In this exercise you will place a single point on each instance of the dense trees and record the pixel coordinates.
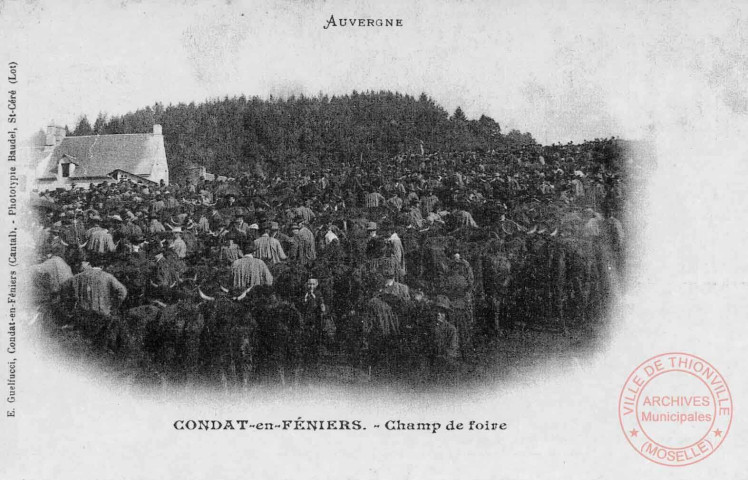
(231, 135)
(83, 127)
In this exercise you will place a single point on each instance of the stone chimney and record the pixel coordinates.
(54, 136)
(157, 129)
(59, 135)
(50, 141)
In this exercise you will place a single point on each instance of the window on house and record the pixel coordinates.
(65, 170)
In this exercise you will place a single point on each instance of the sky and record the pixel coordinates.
(562, 70)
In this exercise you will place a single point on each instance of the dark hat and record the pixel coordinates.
(442, 302)
(389, 271)
(295, 226)
(235, 236)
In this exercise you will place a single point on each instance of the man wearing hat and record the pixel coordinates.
(50, 276)
(230, 250)
(374, 244)
(155, 226)
(203, 224)
(230, 200)
(158, 205)
(177, 244)
(394, 288)
(249, 271)
(304, 213)
(171, 202)
(371, 229)
(54, 243)
(129, 229)
(302, 248)
(99, 241)
(280, 236)
(253, 232)
(268, 248)
(415, 218)
(216, 220)
(239, 225)
(313, 311)
(97, 295)
(237, 228)
(74, 232)
(164, 273)
(396, 202)
(446, 347)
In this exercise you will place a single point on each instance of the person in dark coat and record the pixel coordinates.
(446, 344)
(313, 309)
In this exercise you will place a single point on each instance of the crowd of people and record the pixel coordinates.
(406, 264)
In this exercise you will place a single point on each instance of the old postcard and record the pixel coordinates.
(451, 239)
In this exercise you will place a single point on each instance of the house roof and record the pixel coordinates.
(98, 155)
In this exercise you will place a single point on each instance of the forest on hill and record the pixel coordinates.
(232, 135)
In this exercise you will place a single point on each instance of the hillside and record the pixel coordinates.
(230, 134)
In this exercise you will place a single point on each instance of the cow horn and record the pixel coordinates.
(244, 294)
(153, 284)
(174, 284)
(204, 296)
(223, 289)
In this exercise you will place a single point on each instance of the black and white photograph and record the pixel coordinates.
(373, 239)
(367, 237)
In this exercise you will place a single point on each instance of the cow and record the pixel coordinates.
(228, 339)
(279, 336)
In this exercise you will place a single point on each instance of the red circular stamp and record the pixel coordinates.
(675, 409)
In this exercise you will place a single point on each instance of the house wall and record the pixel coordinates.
(161, 167)
(44, 185)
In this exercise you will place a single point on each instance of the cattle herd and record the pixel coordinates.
(410, 266)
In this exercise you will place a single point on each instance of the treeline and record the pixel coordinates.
(230, 135)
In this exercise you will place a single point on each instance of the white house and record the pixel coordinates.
(80, 161)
